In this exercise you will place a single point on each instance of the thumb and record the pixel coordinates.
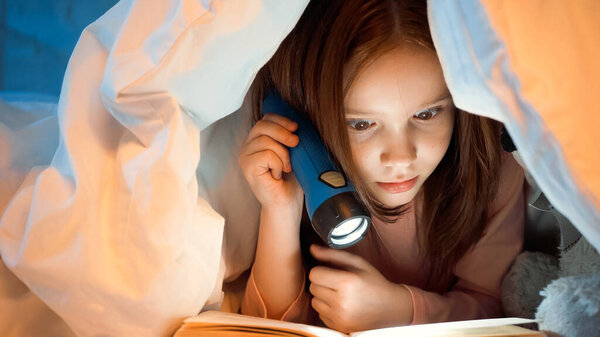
(340, 258)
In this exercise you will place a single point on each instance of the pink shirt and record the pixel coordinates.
(394, 252)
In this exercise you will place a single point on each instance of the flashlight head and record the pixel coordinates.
(341, 220)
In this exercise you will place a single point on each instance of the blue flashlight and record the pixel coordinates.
(334, 211)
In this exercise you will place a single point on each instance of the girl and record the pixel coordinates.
(447, 206)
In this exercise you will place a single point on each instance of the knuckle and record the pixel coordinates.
(315, 304)
(263, 140)
(343, 306)
(275, 155)
(270, 156)
(262, 156)
(267, 142)
(257, 127)
(345, 285)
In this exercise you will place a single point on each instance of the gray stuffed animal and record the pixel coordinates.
(556, 280)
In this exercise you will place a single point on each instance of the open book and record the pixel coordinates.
(220, 324)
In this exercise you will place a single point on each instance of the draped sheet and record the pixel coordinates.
(532, 65)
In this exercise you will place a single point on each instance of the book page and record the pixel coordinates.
(221, 324)
(481, 327)
(218, 320)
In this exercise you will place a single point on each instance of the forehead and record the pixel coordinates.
(404, 79)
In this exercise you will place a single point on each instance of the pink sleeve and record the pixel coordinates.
(299, 311)
(480, 272)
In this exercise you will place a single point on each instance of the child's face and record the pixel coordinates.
(400, 117)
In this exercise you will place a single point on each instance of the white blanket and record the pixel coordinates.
(118, 233)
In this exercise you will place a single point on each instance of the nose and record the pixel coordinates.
(399, 151)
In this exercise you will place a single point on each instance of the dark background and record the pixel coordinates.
(37, 38)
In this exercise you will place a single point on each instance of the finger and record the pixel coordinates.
(274, 130)
(281, 120)
(339, 258)
(264, 142)
(320, 306)
(263, 162)
(328, 277)
(325, 294)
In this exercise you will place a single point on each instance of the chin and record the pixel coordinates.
(395, 200)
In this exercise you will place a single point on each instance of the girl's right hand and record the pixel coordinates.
(265, 160)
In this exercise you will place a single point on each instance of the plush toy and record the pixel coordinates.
(560, 289)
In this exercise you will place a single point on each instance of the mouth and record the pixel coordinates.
(398, 187)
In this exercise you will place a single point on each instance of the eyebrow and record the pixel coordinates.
(437, 101)
(422, 107)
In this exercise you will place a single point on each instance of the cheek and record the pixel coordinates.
(363, 153)
(435, 144)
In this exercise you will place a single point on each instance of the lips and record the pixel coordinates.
(399, 187)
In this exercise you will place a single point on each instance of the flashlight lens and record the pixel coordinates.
(347, 227)
(349, 231)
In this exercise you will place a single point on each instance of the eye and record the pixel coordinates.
(427, 114)
(360, 124)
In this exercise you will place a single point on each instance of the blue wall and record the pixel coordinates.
(37, 38)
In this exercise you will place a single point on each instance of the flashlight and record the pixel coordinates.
(335, 213)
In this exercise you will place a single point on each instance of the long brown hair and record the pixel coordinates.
(313, 69)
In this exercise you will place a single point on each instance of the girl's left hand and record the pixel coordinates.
(356, 296)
